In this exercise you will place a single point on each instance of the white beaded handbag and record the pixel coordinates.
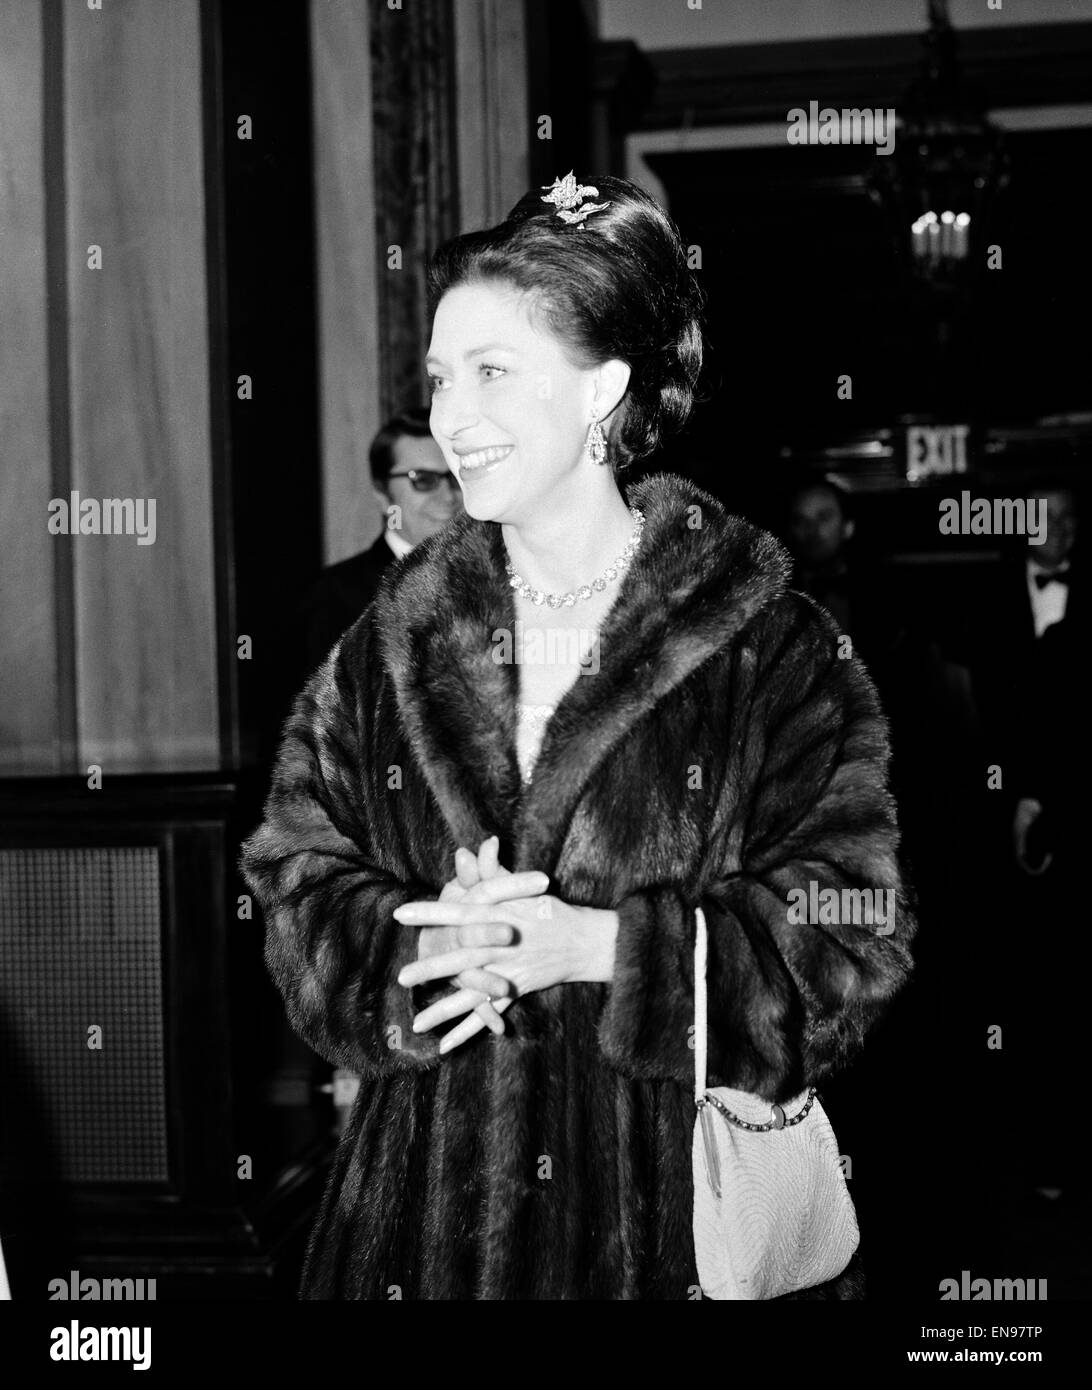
(772, 1212)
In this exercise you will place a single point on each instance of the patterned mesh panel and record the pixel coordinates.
(80, 946)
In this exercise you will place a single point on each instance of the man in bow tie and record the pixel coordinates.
(1037, 698)
(1048, 567)
(1042, 717)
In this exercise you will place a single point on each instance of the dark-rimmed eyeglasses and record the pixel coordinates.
(427, 479)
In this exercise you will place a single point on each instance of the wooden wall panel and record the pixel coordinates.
(29, 725)
(486, 63)
(348, 327)
(416, 179)
(492, 118)
(146, 645)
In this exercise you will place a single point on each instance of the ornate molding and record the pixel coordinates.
(1018, 65)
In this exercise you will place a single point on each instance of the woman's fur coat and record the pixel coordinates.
(727, 751)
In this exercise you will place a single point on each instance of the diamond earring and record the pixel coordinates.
(595, 445)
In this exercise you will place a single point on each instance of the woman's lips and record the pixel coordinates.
(482, 461)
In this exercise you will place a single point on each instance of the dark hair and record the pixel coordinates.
(616, 285)
(381, 455)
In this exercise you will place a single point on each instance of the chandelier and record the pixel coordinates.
(949, 162)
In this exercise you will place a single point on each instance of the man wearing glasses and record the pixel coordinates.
(420, 495)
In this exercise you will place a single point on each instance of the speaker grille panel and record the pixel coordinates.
(80, 946)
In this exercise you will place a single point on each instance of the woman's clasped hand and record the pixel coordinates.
(496, 935)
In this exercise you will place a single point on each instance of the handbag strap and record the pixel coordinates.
(701, 1004)
(705, 1104)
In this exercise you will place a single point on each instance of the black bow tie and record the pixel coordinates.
(1058, 577)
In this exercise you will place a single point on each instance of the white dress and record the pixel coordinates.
(529, 731)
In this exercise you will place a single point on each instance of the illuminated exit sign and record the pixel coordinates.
(932, 450)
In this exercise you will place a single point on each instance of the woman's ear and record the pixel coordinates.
(611, 382)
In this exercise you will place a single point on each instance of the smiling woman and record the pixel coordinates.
(480, 876)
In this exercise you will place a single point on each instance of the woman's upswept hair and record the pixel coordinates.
(616, 285)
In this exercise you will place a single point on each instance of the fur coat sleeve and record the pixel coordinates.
(328, 878)
(789, 1002)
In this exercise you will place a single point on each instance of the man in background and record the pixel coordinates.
(820, 528)
(1032, 687)
(1044, 614)
(420, 495)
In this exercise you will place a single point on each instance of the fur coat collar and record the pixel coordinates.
(698, 578)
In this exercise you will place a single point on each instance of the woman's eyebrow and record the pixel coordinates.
(471, 352)
(487, 347)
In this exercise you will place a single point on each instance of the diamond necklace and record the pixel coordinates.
(612, 572)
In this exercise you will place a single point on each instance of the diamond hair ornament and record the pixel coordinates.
(567, 195)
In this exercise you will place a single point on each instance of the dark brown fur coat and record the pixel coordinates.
(723, 754)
